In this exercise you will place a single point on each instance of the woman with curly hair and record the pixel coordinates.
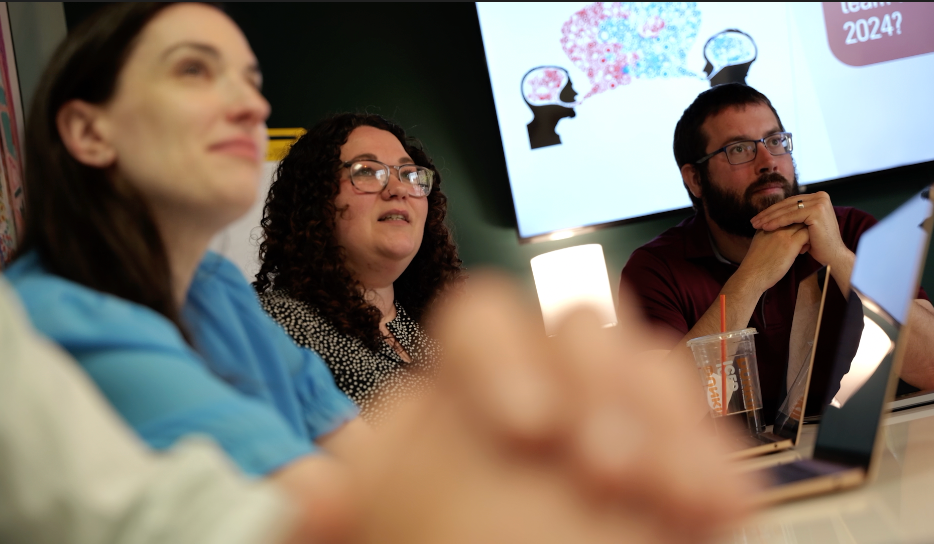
(355, 250)
(145, 139)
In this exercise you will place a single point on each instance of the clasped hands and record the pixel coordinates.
(785, 230)
(528, 439)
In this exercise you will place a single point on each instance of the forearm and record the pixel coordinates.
(918, 365)
(322, 486)
(742, 296)
(73, 472)
(841, 268)
(347, 440)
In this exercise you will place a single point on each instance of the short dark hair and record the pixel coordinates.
(690, 143)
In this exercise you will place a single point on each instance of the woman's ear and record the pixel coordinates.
(81, 128)
(691, 178)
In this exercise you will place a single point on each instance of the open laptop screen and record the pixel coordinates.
(884, 283)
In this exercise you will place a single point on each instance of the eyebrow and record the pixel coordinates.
(203, 47)
(212, 51)
(372, 157)
(743, 137)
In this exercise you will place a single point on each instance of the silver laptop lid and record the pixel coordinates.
(808, 326)
(884, 283)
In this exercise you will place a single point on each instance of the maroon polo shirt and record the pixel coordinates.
(678, 276)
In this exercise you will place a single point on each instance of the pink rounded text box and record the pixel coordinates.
(863, 33)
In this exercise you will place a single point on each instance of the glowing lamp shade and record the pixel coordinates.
(570, 277)
(874, 345)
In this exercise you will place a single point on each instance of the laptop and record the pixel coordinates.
(802, 349)
(912, 400)
(885, 280)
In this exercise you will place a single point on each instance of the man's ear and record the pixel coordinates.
(81, 127)
(691, 178)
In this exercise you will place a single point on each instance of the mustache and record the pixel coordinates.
(766, 179)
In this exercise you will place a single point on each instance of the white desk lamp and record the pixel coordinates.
(570, 277)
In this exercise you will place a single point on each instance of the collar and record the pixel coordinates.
(716, 252)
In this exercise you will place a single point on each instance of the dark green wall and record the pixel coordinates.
(423, 66)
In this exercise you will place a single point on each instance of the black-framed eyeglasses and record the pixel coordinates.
(373, 176)
(746, 150)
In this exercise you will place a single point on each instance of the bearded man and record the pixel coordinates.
(753, 238)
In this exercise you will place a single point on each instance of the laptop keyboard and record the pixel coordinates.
(803, 470)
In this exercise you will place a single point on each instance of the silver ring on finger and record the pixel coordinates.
(800, 204)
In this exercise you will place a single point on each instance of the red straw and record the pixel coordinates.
(723, 355)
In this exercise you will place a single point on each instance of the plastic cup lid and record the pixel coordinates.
(722, 336)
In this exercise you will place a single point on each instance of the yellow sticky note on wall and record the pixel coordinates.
(280, 141)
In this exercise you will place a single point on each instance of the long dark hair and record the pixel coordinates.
(300, 253)
(87, 225)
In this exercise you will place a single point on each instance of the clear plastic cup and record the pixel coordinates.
(730, 357)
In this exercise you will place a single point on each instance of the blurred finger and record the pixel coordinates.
(497, 361)
(624, 438)
(608, 434)
(635, 424)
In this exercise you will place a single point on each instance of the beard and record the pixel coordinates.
(732, 212)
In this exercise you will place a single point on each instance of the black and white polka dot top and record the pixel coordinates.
(376, 381)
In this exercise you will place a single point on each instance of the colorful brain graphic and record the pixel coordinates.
(542, 86)
(729, 48)
(615, 42)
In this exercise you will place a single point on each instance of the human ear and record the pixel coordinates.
(80, 126)
(691, 178)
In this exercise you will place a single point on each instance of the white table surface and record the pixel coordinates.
(896, 507)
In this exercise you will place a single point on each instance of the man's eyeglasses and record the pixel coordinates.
(745, 150)
(373, 177)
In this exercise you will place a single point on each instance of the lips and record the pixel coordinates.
(769, 186)
(395, 215)
(241, 147)
(769, 181)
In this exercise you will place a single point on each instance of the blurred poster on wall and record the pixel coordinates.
(12, 203)
(240, 240)
(587, 94)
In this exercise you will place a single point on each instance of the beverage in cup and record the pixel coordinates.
(726, 363)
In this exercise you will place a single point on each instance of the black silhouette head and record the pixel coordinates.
(548, 92)
(729, 55)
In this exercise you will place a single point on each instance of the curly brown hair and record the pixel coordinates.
(299, 249)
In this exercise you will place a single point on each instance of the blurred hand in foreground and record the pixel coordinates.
(529, 439)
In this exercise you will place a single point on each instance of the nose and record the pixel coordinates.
(765, 162)
(395, 186)
(248, 105)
